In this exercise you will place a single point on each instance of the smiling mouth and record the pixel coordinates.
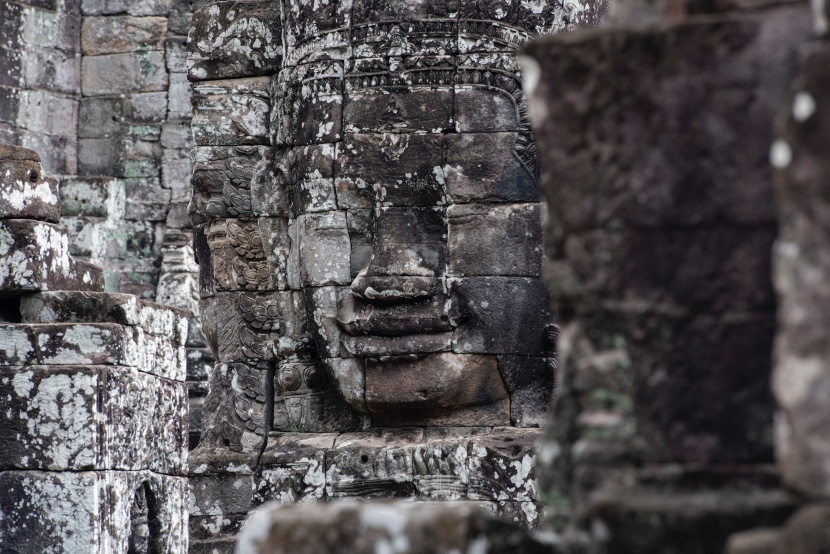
(416, 326)
(424, 316)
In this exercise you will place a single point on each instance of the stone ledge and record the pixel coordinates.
(99, 307)
(34, 256)
(61, 344)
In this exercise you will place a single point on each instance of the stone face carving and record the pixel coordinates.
(373, 259)
(386, 245)
(394, 219)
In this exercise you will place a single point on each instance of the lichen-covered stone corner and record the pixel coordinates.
(364, 528)
(92, 511)
(24, 191)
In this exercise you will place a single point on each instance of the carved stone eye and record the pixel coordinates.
(290, 379)
(313, 377)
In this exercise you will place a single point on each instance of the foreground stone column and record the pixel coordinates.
(801, 378)
(655, 144)
(93, 430)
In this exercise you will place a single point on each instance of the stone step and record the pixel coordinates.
(78, 418)
(34, 256)
(105, 307)
(63, 344)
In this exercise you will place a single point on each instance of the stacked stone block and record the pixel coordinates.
(93, 450)
(127, 208)
(40, 71)
(655, 142)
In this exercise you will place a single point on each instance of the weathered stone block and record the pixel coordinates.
(443, 389)
(178, 97)
(294, 468)
(222, 180)
(530, 382)
(312, 178)
(91, 197)
(308, 104)
(122, 34)
(363, 528)
(123, 73)
(47, 113)
(146, 200)
(512, 232)
(484, 167)
(324, 249)
(378, 99)
(25, 192)
(502, 465)
(801, 376)
(375, 464)
(389, 169)
(35, 256)
(493, 313)
(231, 112)
(140, 7)
(229, 39)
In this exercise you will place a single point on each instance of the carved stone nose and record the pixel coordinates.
(393, 289)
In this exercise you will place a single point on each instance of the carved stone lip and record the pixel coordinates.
(398, 346)
(358, 317)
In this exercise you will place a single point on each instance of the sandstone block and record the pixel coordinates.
(483, 167)
(365, 172)
(231, 112)
(25, 192)
(222, 180)
(512, 233)
(122, 34)
(363, 527)
(494, 311)
(35, 256)
(123, 73)
(230, 39)
(445, 389)
(61, 511)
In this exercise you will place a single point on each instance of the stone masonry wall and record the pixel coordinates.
(99, 89)
(93, 431)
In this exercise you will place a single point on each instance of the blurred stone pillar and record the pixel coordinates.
(654, 146)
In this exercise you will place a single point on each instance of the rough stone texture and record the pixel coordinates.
(807, 531)
(24, 191)
(363, 528)
(95, 422)
(656, 166)
(802, 376)
(367, 264)
(35, 256)
(91, 511)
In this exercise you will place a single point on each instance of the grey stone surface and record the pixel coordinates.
(362, 528)
(801, 377)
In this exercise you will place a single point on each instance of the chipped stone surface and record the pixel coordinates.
(233, 39)
(801, 375)
(25, 193)
(89, 511)
(35, 256)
